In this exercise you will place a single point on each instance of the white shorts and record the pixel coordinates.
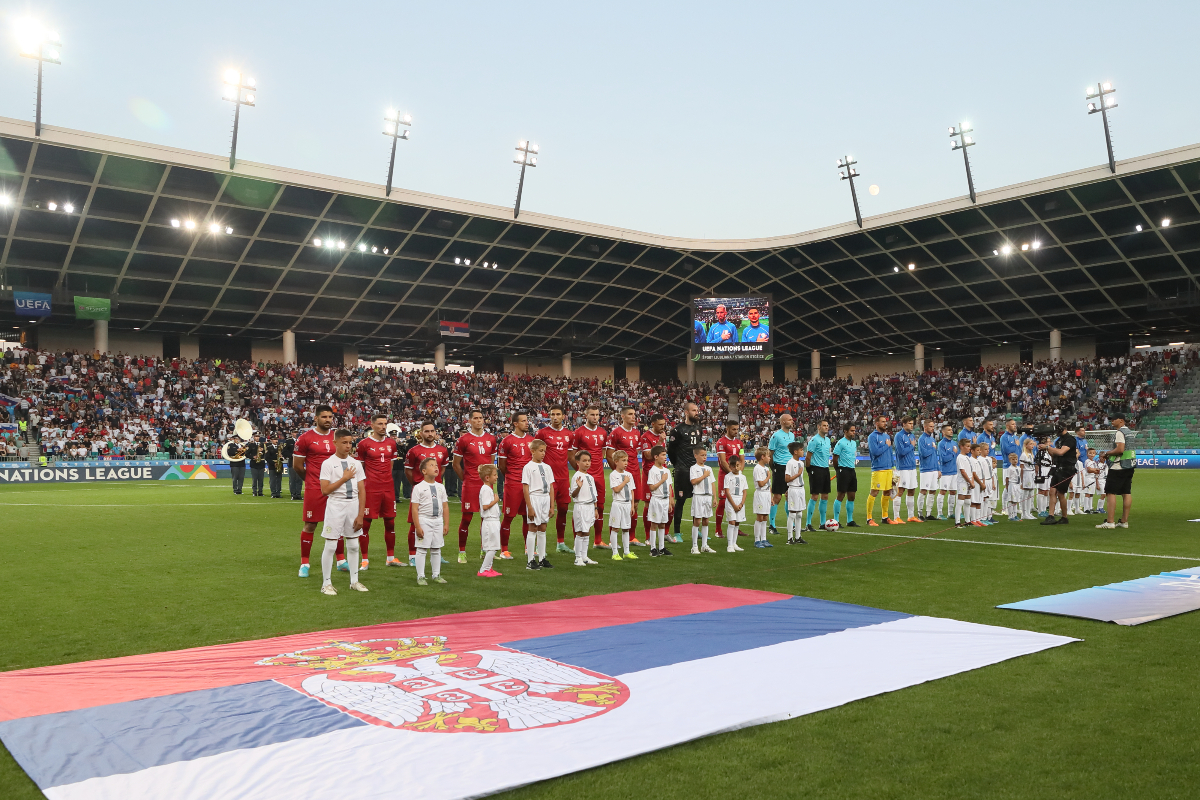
(584, 517)
(948, 483)
(701, 506)
(1099, 485)
(538, 510)
(489, 531)
(432, 527)
(762, 500)
(963, 488)
(906, 479)
(976, 496)
(734, 516)
(1027, 482)
(339, 520)
(618, 515)
(795, 499)
(1077, 484)
(929, 481)
(659, 511)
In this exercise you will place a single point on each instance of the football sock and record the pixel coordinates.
(327, 560)
(704, 535)
(524, 527)
(625, 535)
(389, 536)
(341, 550)
(922, 501)
(774, 508)
(732, 540)
(363, 540)
(824, 510)
(505, 531)
(896, 507)
(306, 540)
(941, 504)
(870, 506)
(677, 516)
(464, 529)
(613, 540)
(646, 516)
(849, 511)
(353, 554)
(412, 540)
(530, 546)
(421, 551)
(720, 511)
(540, 538)
(837, 510)
(695, 534)
(957, 513)
(598, 526)
(812, 506)
(560, 525)
(487, 561)
(633, 520)
(435, 560)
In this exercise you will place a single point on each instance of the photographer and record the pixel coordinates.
(1122, 460)
(1064, 452)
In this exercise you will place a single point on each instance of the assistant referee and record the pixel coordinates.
(780, 456)
(845, 458)
(816, 464)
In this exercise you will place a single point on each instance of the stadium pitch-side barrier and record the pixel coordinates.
(16, 472)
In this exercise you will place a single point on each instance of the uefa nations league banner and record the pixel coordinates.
(31, 304)
(469, 704)
(14, 472)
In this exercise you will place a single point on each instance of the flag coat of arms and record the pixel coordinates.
(454, 328)
(462, 705)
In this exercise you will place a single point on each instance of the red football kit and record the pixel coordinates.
(412, 463)
(593, 440)
(376, 457)
(314, 448)
(627, 442)
(649, 441)
(515, 452)
(558, 447)
(475, 451)
(730, 447)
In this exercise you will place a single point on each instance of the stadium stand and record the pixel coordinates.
(1175, 422)
(89, 405)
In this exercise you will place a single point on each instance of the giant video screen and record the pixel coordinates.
(731, 328)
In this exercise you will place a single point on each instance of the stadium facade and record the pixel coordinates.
(1079, 262)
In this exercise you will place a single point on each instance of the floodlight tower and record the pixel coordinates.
(42, 46)
(1104, 103)
(392, 122)
(239, 90)
(527, 157)
(962, 142)
(850, 174)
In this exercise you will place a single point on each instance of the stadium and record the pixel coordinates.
(231, 390)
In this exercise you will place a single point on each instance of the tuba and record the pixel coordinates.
(235, 450)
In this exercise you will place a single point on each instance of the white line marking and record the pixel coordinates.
(1013, 544)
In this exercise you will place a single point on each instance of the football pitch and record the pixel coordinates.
(99, 571)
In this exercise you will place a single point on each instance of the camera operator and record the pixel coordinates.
(1122, 460)
(1064, 452)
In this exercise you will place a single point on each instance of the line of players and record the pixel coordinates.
(586, 450)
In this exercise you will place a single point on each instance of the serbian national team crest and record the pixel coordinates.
(421, 684)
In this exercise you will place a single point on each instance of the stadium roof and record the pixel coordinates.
(564, 285)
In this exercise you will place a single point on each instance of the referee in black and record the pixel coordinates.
(684, 437)
(1064, 453)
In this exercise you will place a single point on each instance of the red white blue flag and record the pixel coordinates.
(454, 328)
(458, 706)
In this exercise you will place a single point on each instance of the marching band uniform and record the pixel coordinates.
(275, 468)
(237, 470)
(256, 455)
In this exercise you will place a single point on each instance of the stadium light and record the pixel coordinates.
(527, 157)
(42, 46)
(392, 126)
(239, 90)
(850, 174)
(1104, 103)
(961, 142)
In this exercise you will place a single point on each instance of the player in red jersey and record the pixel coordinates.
(625, 439)
(473, 449)
(728, 446)
(312, 448)
(558, 450)
(591, 437)
(427, 447)
(514, 455)
(376, 452)
(655, 437)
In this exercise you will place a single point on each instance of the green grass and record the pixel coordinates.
(102, 571)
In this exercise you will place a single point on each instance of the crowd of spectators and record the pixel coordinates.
(86, 405)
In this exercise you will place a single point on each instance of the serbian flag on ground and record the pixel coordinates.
(468, 704)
